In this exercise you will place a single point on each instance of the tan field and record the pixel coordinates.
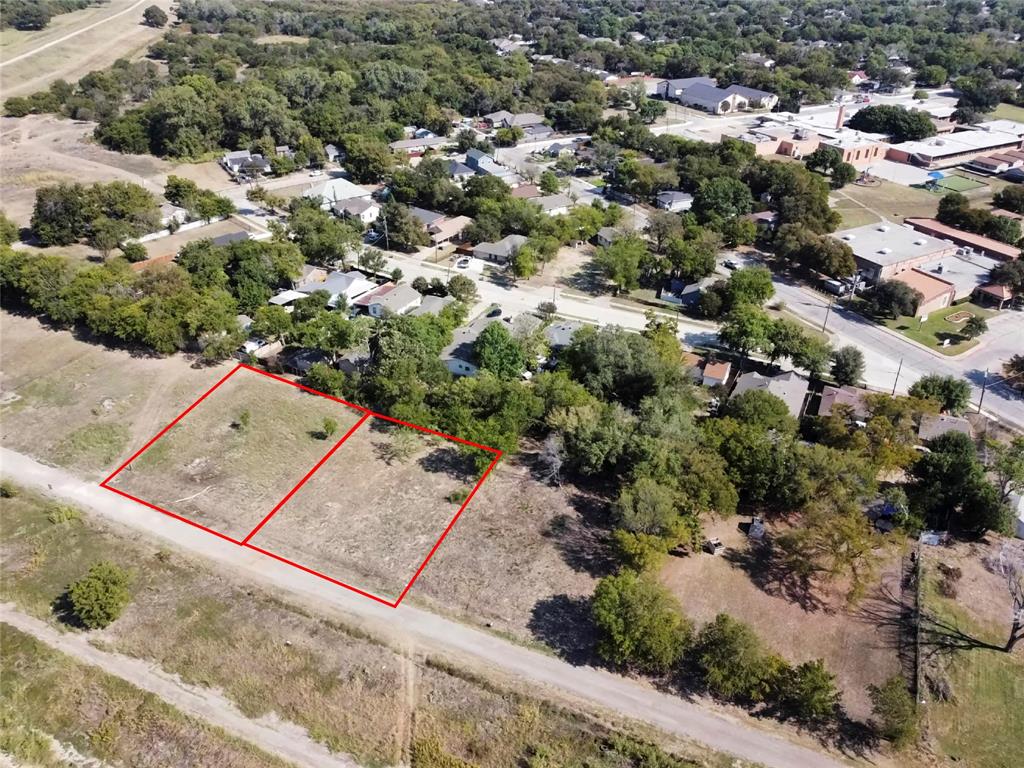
(75, 44)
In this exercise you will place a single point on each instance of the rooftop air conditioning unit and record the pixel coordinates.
(885, 250)
(883, 228)
(848, 238)
(920, 241)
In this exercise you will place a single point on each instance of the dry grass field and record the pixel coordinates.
(854, 645)
(74, 44)
(523, 557)
(372, 512)
(230, 460)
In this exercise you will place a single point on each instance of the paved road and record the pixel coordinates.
(285, 740)
(76, 33)
(887, 353)
(408, 624)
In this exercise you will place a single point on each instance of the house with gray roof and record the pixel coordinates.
(389, 299)
(336, 190)
(425, 217)
(554, 205)
(505, 119)
(485, 165)
(339, 285)
(790, 387)
(501, 251)
(711, 98)
(460, 172)
(559, 333)
(432, 305)
(674, 201)
(671, 90)
(458, 356)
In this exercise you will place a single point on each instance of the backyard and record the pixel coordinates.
(941, 330)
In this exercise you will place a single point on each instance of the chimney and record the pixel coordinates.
(840, 116)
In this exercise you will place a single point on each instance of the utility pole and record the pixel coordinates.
(897, 377)
(827, 311)
(984, 386)
(387, 243)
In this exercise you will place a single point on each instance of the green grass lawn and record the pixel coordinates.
(983, 726)
(936, 329)
(1007, 112)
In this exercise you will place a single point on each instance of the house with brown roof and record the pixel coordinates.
(936, 293)
(852, 397)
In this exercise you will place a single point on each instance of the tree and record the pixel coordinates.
(761, 409)
(403, 229)
(367, 159)
(847, 366)
(951, 393)
(271, 323)
(621, 261)
(813, 356)
(462, 288)
(550, 184)
(734, 662)
(749, 285)
(1009, 565)
(372, 260)
(524, 263)
(809, 691)
(9, 232)
(722, 198)
(154, 16)
(99, 597)
(134, 252)
(640, 622)
(495, 350)
(1011, 199)
(896, 122)
(893, 298)
(896, 711)
(974, 327)
(746, 328)
(1007, 466)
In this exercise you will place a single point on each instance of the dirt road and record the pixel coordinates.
(594, 688)
(283, 739)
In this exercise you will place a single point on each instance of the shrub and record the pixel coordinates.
(62, 513)
(896, 711)
(458, 496)
(99, 597)
(8, 490)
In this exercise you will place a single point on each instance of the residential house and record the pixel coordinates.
(416, 146)
(336, 190)
(361, 208)
(538, 132)
(432, 305)
(285, 298)
(448, 229)
(245, 163)
(425, 217)
(284, 151)
(460, 172)
(502, 251)
(672, 90)
(554, 205)
(933, 426)
(853, 397)
(674, 201)
(757, 60)
(607, 235)
(172, 215)
(341, 286)
(298, 360)
(858, 76)
(715, 373)
(765, 221)
(485, 165)
(458, 356)
(559, 333)
(526, 191)
(789, 387)
(332, 152)
(505, 119)
(389, 299)
(560, 148)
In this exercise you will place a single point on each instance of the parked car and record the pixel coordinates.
(496, 312)
(731, 264)
(316, 173)
(462, 263)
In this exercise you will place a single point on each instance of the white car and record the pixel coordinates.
(316, 173)
(462, 263)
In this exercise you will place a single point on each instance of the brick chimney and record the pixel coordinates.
(840, 117)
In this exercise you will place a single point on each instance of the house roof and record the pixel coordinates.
(449, 228)
(425, 217)
(349, 284)
(718, 370)
(682, 83)
(886, 243)
(355, 206)
(1001, 292)
(287, 297)
(553, 202)
(526, 191)
(706, 93)
(933, 426)
(674, 196)
(851, 396)
(968, 238)
(431, 305)
(505, 247)
(789, 387)
(456, 168)
(559, 334)
(931, 287)
(421, 142)
(391, 297)
(609, 233)
(336, 189)
(749, 93)
(461, 347)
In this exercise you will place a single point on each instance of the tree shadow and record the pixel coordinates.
(450, 461)
(565, 624)
(587, 279)
(760, 562)
(582, 541)
(64, 611)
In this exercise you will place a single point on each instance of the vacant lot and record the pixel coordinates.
(886, 201)
(229, 461)
(51, 703)
(74, 44)
(377, 702)
(983, 725)
(372, 512)
(854, 645)
(170, 245)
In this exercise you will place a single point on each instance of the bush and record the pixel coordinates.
(8, 490)
(896, 711)
(734, 662)
(62, 513)
(640, 621)
(99, 597)
(458, 496)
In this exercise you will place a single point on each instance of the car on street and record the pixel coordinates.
(316, 173)
(731, 264)
(462, 263)
(496, 312)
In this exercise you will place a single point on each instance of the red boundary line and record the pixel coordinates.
(308, 475)
(367, 413)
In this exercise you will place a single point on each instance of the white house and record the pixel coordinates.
(366, 210)
(554, 205)
(674, 201)
(389, 299)
(339, 285)
(336, 190)
(458, 356)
